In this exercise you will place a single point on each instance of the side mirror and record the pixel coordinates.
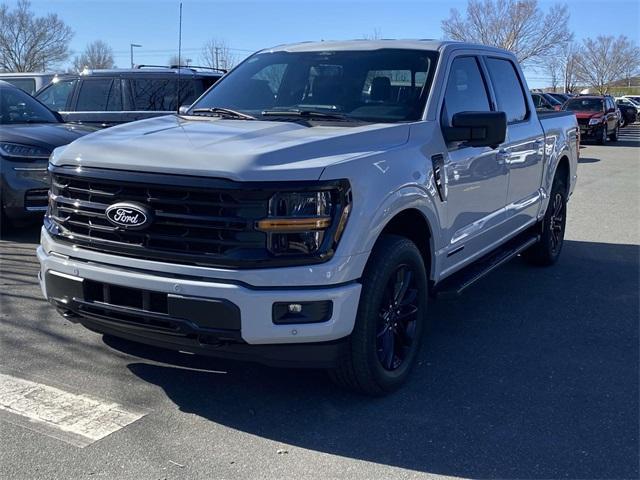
(184, 109)
(611, 110)
(477, 129)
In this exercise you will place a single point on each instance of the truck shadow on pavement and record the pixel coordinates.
(531, 374)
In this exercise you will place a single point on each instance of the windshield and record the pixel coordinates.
(584, 105)
(386, 85)
(18, 107)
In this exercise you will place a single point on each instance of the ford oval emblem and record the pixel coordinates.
(129, 216)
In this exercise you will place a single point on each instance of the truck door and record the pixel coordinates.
(523, 150)
(476, 180)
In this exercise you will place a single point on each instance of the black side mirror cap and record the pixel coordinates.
(477, 129)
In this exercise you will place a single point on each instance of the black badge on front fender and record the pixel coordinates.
(129, 216)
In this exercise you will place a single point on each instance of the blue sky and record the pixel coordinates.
(251, 25)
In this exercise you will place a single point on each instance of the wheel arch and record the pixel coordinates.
(563, 169)
(411, 223)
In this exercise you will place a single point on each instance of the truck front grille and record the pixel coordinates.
(195, 220)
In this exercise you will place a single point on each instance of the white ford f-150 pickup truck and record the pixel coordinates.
(306, 208)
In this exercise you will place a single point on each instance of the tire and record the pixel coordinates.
(547, 251)
(602, 139)
(385, 340)
(614, 136)
(5, 223)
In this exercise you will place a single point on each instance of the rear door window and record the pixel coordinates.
(508, 89)
(56, 95)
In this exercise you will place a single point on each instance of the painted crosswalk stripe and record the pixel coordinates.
(76, 419)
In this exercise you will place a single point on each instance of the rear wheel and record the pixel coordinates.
(390, 321)
(547, 251)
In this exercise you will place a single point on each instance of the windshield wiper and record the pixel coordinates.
(304, 114)
(222, 112)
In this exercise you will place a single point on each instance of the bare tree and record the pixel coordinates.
(553, 66)
(175, 60)
(95, 56)
(29, 43)
(570, 56)
(216, 53)
(561, 68)
(516, 25)
(605, 60)
(376, 34)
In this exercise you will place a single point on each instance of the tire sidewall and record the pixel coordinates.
(378, 272)
(603, 136)
(557, 188)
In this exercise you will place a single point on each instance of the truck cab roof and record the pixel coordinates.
(428, 44)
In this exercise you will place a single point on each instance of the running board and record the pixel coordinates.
(455, 284)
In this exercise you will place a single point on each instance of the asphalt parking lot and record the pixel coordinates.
(531, 374)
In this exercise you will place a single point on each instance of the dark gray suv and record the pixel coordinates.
(29, 132)
(108, 97)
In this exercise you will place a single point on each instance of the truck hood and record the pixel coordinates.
(242, 150)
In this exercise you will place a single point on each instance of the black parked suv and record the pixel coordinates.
(108, 97)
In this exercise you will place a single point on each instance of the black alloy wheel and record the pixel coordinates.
(557, 222)
(395, 337)
(391, 319)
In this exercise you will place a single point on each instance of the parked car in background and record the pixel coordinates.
(29, 132)
(109, 97)
(627, 101)
(628, 111)
(597, 117)
(560, 97)
(29, 82)
(302, 211)
(634, 98)
(542, 101)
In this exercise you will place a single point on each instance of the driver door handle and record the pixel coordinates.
(502, 156)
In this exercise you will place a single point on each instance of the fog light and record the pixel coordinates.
(285, 313)
(295, 308)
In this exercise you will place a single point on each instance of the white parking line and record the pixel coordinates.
(76, 419)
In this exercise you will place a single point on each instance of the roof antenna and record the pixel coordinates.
(179, 60)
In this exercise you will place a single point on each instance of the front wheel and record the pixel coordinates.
(602, 139)
(390, 321)
(547, 251)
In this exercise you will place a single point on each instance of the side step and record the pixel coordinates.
(454, 285)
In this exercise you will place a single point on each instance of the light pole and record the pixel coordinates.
(132, 46)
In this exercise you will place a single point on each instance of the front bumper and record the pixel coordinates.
(256, 338)
(24, 188)
(591, 132)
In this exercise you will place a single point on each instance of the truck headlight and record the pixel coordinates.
(18, 150)
(595, 121)
(307, 222)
